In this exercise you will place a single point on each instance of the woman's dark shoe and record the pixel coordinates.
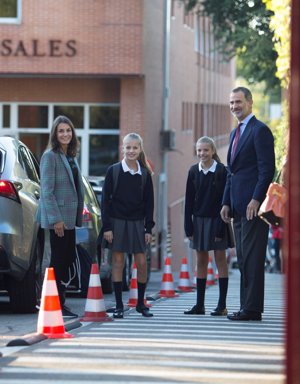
(144, 311)
(118, 313)
(219, 312)
(195, 310)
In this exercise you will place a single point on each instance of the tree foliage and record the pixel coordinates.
(241, 28)
(280, 25)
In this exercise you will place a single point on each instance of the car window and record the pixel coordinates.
(27, 164)
(89, 196)
(1, 160)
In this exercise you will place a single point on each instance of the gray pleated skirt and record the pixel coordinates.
(128, 236)
(204, 235)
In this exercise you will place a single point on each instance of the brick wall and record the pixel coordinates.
(74, 37)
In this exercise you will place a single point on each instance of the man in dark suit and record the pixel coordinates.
(251, 166)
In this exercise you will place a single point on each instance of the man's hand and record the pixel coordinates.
(252, 209)
(225, 213)
(108, 236)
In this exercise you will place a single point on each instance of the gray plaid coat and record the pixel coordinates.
(59, 199)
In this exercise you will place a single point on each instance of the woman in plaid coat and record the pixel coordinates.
(61, 202)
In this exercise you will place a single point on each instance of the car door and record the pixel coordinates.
(29, 193)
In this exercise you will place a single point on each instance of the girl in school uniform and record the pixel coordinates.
(203, 224)
(127, 217)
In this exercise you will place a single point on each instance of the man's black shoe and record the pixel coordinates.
(118, 313)
(143, 310)
(244, 316)
(67, 314)
(195, 310)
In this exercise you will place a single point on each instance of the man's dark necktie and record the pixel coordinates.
(235, 141)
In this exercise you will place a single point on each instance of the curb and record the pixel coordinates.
(34, 338)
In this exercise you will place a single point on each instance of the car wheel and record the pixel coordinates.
(107, 285)
(25, 294)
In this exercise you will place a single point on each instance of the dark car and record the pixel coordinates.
(21, 241)
(86, 239)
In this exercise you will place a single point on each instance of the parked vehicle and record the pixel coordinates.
(21, 241)
(97, 185)
(86, 240)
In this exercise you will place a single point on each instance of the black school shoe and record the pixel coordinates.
(118, 313)
(143, 310)
(67, 313)
(195, 310)
(219, 312)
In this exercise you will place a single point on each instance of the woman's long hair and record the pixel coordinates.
(210, 141)
(142, 157)
(54, 144)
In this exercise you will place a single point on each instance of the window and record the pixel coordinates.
(28, 165)
(33, 116)
(6, 116)
(104, 151)
(97, 128)
(74, 113)
(104, 117)
(10, 11)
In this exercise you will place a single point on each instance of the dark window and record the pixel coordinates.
(104, 151)
(6, 116)
(33, 116)
(105, 117)
(74, 113)
(8, 8)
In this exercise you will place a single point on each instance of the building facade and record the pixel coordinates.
(115, 67)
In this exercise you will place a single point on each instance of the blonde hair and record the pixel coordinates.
(210, 141)
(142, 156)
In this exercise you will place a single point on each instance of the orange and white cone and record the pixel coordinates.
(210, 273)
(133, 292)
(95, 306)
(167, 286)
(50, 321)
(184, 277)
(195, 277)
(217, 274)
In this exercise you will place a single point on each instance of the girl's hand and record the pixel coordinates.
(148, 238)
(108, 236)
(59, 228)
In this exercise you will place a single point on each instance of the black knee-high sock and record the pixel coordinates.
(141, 293)
(118, 294)
(223, 287)
(201, 286)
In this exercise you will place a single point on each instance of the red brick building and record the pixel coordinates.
(116, 66)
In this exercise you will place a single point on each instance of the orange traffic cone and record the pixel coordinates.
(50, 321)
(167, 286)
(184, 277)
(195, 277)
(95, 306)
(217, 274)
(210, 273)
(133, 293)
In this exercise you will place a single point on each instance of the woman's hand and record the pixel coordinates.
(59, 228)
(108, 236)
(148, 238)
